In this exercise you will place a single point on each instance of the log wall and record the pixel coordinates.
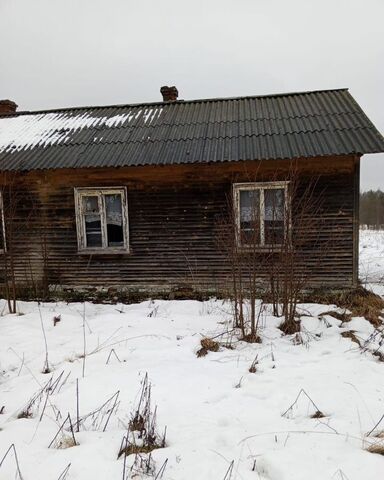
(174, 213)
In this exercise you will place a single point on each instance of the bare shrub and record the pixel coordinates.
(289, 275)
(245, 261)
(267, 235)
(17, 206)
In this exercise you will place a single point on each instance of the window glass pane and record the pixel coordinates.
(114, 219)
(92, 221)
(91, 204)
(273, 215)
(250, 217)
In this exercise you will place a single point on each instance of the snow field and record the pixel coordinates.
(215, 410)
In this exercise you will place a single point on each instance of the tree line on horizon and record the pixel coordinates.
(372, 209)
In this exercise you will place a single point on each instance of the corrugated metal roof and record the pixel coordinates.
(307, 124)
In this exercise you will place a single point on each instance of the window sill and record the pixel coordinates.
(104, 251)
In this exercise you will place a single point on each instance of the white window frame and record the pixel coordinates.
(2, 224)
(261, 187)
(100, 192)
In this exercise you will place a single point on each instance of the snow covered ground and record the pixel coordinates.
(215, 410)
(372, 258)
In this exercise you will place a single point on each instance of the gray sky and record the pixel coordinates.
(58, 53)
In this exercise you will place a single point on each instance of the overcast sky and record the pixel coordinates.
(58, 53)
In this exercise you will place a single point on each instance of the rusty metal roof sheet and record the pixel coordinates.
(283, 126)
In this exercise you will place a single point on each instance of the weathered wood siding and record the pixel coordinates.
(174, 213)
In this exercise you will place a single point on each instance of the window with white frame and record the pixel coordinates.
(102, 219)
(262, 213)
(2, 226)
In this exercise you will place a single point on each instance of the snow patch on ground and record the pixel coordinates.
(371, 268)
(215, 410)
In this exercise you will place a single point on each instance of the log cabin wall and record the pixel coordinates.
(174, 213)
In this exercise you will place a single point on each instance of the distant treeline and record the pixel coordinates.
(372, 209)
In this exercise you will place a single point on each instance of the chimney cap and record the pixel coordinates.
(169, 94)
(7, 107)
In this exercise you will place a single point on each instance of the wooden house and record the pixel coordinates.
(131, 196)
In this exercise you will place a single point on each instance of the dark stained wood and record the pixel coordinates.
(356, 221)
(174, 213)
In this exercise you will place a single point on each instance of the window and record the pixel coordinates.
(261, 211)
(102, 219)
(2, 226)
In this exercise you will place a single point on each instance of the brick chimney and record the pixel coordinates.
(169, 94)
(7, 107)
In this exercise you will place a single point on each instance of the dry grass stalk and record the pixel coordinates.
(207, 345)
(253, 368)
(318, 413)
(377, 448)
(46, 368)
(359, 301)
(351, 334)
(132, 449)
(64, 473)
(364, 303)
(229, 472)
(66, 441)
(343, 317)
(143, 467)
(33, 405)
(12, 449)
(142, 434)
(210, 344)
(65, 436)
(377, 433)
(99, 418)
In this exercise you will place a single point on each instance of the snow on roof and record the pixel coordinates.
(284, 126)
(22, 132)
